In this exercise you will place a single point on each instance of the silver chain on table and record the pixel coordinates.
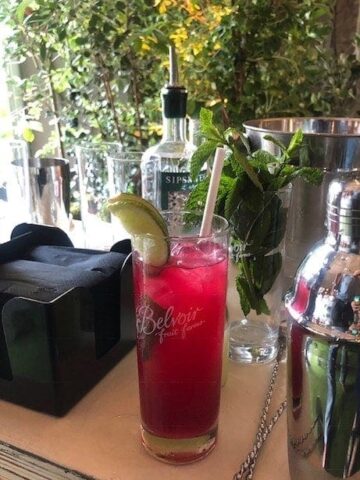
(247, 468)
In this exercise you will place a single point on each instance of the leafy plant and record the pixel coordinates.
(255, 59)
(99, 64)
(250, 198)
(93, 77)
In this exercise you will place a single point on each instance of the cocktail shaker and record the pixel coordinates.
(50, 191)
(324, 345)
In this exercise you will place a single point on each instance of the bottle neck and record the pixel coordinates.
(174, 130)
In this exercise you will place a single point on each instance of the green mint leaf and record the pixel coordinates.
(267, 167)
(264, 158)
(233, 136)
(289, 169)
(295, 143)
(232, 198)
(259, 227)
(212, 133)
(242, 160)
(225, 187)
(262, 307)
(227, 168)
(235, 164)
(250, 297)
(286, 175)
(244, 294)
(200, 156)
(276, 142)
(311, 175)
(197, 197)
(206, 117)
(249, 223)
(259, 221)
(230, 135)
(245, 142)
(265, 270)
(208, 129)
(276, 231)
(304, 157)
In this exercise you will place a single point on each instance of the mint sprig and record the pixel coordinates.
(249, 198)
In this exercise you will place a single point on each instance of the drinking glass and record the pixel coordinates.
(256, 272)
(125, 172)
(124, 177)
(94, 193)
(180, 312)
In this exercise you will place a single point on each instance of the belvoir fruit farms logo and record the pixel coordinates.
(165, 323)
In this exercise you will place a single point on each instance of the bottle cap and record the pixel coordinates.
(174, 96)
(174, 101)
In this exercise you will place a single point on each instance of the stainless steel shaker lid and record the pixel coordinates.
(326, 292)
(343, 209)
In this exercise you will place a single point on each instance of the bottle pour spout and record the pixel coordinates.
(174, 96)
(174, 69)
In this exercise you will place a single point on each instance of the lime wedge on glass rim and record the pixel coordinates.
(146, 226)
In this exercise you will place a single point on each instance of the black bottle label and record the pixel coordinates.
(175, 189)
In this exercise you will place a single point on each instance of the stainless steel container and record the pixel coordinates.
(50, 191)
(324, 346)
(329, 143)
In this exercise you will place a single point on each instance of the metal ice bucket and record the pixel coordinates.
(329, 143)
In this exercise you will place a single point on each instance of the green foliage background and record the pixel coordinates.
(100, 63)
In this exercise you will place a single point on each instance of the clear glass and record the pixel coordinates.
(166, 166)
(125, 172)
(14, 186)
(124, 177)
(94, 193)
(226, 345)
(180, 313)
(254, 336)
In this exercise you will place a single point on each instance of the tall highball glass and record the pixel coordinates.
(180, 312)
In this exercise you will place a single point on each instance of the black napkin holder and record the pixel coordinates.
(66, 317)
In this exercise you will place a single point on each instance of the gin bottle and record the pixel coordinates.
(165, 167)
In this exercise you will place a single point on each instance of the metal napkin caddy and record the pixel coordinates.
(63, 325)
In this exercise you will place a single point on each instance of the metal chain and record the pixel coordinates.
(247, 468)
(297, 443)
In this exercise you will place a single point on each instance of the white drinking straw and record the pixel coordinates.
(205, 229)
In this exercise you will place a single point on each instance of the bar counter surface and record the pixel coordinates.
(100, 436)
